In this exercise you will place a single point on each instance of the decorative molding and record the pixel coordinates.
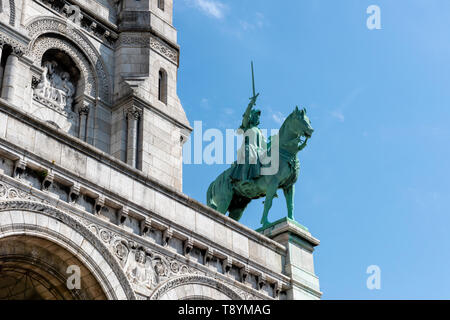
(164, 49)
(100, 30)
(149, 271)
(195, 279)
(7, 192)
(151, 42)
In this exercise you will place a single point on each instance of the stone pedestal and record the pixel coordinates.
(299, 264)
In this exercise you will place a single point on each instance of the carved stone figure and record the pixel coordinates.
(69, 88)
(55, 87)
(140, 271)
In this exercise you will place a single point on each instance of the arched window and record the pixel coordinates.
(161, 4)
(162, 86)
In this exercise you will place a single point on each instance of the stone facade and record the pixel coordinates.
(91, 136)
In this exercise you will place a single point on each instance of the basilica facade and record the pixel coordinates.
(91, 137)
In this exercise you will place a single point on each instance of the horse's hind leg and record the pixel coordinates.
(236, 214)
(238, 207)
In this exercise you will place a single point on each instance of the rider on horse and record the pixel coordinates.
(248, 166)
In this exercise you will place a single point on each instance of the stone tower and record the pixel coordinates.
(91, 136)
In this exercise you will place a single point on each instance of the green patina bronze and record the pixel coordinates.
(235, 188)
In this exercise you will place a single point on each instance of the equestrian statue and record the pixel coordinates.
(250, 178)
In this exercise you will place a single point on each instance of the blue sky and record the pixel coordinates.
(375, 180)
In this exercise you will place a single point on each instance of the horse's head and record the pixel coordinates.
(303, 124)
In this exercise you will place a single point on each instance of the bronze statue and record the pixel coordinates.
(235, 188)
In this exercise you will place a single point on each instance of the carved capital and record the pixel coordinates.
(133, 113)
(18, 49)
(84, 109)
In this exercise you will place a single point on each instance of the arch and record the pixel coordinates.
(34, 268)
(51, 25)
(48, 42)
(37, 220)
(194, 287)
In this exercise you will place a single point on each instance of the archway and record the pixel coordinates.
(33, 268)
(41, 243)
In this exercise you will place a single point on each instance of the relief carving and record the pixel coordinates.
(150, 42)
(139, 269)
(55, 87)
(45, 25)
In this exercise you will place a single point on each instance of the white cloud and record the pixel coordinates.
(228, 111)
(205, 104)
(278, 117)
(258, 23)
(338, 115)
(212, 8)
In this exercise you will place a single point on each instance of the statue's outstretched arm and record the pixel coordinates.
(246, 119)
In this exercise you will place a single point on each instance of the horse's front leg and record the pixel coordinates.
(271, 193)
(289, 195)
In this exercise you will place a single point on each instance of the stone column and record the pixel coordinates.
(133, 115)
(10, 76)
(84, 113)
(299, 264)
(1, 67)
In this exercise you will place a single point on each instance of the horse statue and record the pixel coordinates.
(226, 194)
